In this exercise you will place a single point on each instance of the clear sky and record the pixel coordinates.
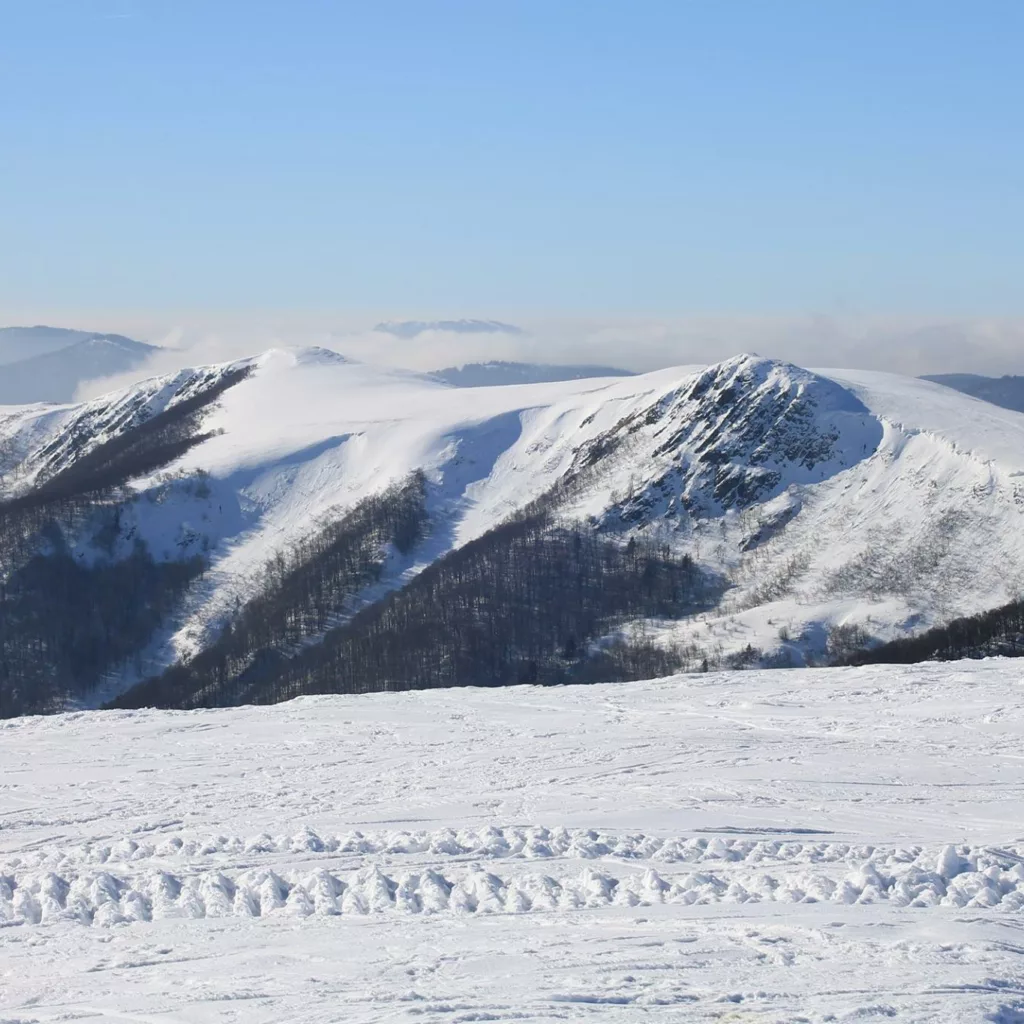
(493, 156)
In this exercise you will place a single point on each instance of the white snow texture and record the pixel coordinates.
(816, 845)
(820, 498)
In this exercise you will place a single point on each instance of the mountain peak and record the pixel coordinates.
(301, 355)
(732, 435)
(777, 481)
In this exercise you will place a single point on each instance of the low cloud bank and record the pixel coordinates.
(905, 345)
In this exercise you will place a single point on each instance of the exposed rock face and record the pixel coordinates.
(737, 434)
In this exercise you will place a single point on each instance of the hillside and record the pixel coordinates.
(17, 343)
(1006, 391)
(299, 522)
(993, 633)
(49, 364)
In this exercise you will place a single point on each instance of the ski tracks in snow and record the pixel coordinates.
(805, 846)
(485, 871)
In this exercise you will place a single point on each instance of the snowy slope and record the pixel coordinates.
(819, 498)
(839, 845)
(39, 441)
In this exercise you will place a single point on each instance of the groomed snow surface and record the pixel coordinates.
(808, 845)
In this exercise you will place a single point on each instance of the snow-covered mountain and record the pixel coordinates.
(17, 343)
(48, 364)
(808, 500)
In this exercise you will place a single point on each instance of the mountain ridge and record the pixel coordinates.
(49, 364)
(1006, 391)
(780, 485)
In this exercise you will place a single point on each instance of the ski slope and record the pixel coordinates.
(820, 845)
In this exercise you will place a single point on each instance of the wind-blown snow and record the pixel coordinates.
(786, 846)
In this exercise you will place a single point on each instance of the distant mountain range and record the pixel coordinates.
(1007, 391)
(482, 375)
(48, 364)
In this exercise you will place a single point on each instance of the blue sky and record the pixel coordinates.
(492, 158)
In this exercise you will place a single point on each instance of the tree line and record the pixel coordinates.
(65, 621)
(63, 624)
(524, 603)
(299, 595)
(999, 631)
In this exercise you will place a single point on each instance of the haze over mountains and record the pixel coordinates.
(414, 328)
(1007, 391)
(479, 375)
(49, 364)
(298, 521)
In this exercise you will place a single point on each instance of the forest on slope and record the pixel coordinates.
(64, 622)
(998, 632)
(525, 603)
(300, 523)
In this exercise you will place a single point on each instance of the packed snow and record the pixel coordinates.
(820, 845)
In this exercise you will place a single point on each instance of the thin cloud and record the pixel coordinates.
(414, 328)
(906, 345)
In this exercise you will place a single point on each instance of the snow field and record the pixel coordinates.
(814, 845)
